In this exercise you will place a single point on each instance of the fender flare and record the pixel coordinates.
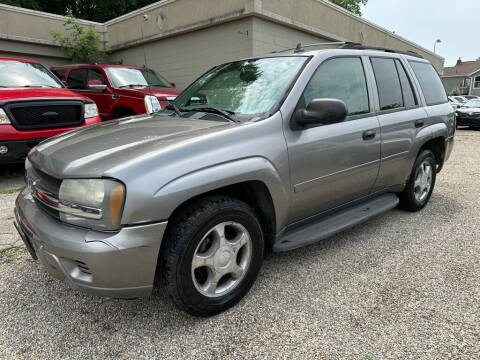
(178, 191)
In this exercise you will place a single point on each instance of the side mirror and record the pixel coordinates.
(96, 85)
(320, 112)
(173, 84)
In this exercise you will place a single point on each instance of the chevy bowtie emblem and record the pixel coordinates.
(50, 114)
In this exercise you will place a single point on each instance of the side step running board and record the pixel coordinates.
(335, 223)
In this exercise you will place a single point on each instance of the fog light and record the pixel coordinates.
(3, 150)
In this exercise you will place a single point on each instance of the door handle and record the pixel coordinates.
(115, 96)
(419, 123)
(369, 134)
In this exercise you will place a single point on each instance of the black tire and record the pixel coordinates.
(185, 232)
(408, 201)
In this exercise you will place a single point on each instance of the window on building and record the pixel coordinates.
(476, 83)
(430, 83)
(343, 79)
(388, 83)
(76, 79)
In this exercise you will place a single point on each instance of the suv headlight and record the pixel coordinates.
(3, 117)
(92, 203)
(152, 104)
(91, 110)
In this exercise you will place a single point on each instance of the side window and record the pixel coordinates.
(430, 82)
(407, 90)
(59, 73)
(95, 74)
(76, 79)
(340, 78)
(476, 84)
(388, 83)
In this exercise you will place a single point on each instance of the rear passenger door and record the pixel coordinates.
(400, 117)
(334, 164)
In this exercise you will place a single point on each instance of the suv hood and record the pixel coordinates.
(98, 150)
(7, 94)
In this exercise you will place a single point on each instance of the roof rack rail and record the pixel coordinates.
(347, 45)
(358, 46)
(301, 48)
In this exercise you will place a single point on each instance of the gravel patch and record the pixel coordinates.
(401, 286)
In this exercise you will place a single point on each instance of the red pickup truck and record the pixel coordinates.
(35, 105)
(119, 90)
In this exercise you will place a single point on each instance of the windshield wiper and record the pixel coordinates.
(172, 106)
(132, 85)
(210, 109)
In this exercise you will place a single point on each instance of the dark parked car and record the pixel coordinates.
(119, 90)
(469, 114)
(267, 153)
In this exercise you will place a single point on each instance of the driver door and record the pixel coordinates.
(334, 164)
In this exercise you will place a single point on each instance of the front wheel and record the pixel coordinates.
(421, 183)
(212, 255)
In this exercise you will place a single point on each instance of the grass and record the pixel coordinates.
(12, 190)
(13, 253)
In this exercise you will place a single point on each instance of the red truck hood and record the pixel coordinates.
(7, 94)
(159, 92)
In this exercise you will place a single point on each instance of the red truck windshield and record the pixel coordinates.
(25, 74)
(124, 77)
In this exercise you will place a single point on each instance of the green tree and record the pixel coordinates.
(94, 10)
(80, 44)
(103, 10)
(354, 6)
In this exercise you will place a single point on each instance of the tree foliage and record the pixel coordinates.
(94, 10)
(354, 6)
(79, 44)
(103, 10)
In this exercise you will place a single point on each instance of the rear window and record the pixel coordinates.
(76, 79)
(430, 83)
(59, 73)
(388, 83)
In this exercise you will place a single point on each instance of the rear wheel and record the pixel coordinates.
(420, 186)
(212, 255)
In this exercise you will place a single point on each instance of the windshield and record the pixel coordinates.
(124, 77)
(245, 87)
(459, 99)
(26, 74)
(473, 103)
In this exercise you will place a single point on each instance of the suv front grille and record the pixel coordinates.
(30, 115)
(38, 179)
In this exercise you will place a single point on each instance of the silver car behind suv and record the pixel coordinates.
(266, 153)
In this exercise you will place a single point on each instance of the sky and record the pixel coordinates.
(454, 22)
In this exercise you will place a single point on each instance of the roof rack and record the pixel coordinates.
(301, 48)
(358, 46)
(348, 45)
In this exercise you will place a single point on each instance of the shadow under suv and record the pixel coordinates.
(273, 153)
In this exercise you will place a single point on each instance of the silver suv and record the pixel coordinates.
(269, 153)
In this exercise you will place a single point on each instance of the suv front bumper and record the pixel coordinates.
(121, 264)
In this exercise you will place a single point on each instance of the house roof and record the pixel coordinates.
(462, 68)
